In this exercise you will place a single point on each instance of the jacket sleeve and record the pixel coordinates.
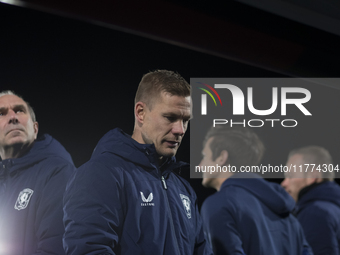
(93, 214)
(320, 231)
(220, 230)
(202, 246)
(49, 215)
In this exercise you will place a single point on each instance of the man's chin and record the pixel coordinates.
(17, 141)
(168, 153)
(207, 182)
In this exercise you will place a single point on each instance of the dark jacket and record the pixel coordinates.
(318, 211)
(119, 203)
(31, 192)
(252, 216)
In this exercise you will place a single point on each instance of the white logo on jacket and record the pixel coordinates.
(23, 199)
(147, 201)
(187, 205)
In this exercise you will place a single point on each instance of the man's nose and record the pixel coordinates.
(178, 128)
(284, 183)
(13, 119)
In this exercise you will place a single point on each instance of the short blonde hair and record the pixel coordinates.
(153, 83)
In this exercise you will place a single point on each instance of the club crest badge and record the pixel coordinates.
(187, 205)
(23, 199)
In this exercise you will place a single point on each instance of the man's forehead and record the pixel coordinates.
(296, 158)
(168, 97)
(10, 100)
(207, 145)
(209, 141)
(176, 105)
(295, 173)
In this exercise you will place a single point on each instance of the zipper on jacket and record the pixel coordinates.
(164, 183)
(170, 214)
(4, 180)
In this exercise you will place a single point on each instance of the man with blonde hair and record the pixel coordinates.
(129, 198)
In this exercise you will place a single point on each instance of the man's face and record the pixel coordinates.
(213, 179)
(16, 125)
(166, 123)
(208, 179)
(295, 181)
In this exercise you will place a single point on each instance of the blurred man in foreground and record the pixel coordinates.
(317, 197)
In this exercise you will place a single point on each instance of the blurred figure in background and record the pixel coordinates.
(317, 197)
(247, 215)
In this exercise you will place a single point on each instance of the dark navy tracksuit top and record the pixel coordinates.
(252, 216)
(121, 203)
(318, 211)
(31, 199)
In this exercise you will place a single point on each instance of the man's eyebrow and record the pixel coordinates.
(177, 114)
(19, 106)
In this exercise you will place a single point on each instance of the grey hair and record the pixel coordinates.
(316, 155)
(30, 109)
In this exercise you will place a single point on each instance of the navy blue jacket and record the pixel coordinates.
(121, 203)
(31, 193)
(252, 216)
(318, 211)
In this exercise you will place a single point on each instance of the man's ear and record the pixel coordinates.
(222, 159)
(140, 108)
(36, 129)
(314, 177)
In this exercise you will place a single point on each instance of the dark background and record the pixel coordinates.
(81, 78)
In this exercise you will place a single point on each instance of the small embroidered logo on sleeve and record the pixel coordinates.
(23, 199)
(147, 201)
(187, 205)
